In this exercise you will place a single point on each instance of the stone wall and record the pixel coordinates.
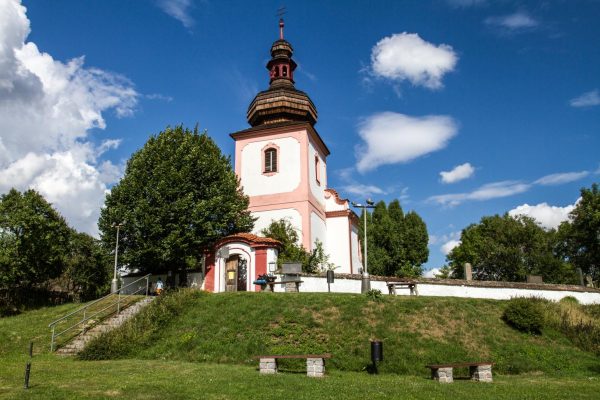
(347, 283)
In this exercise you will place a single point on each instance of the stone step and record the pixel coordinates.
(79, 342)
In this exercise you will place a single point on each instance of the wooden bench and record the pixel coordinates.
(411, 285)
(479, 371)
(315, 363)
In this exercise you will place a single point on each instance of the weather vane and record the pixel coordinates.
(280, 13)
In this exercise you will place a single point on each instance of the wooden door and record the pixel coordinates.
(242, 275)
(231, 274)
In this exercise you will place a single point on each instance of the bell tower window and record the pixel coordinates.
(270, 160)
(317, 170)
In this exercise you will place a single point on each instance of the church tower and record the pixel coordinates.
(281, 161)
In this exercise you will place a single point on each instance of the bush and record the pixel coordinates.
(374, 295)
(525, 315)
(569, 300)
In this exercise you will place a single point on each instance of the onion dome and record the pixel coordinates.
(282, 101)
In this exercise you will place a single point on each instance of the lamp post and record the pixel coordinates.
(366, 281)
(114, 285)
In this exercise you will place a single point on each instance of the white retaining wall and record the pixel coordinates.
(319, 284)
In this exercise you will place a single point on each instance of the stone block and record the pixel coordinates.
(481, 373)
(291, 287)
(442, 375)
(315, 367)
(268, 366)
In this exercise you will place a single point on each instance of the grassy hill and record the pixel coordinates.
(235, 327)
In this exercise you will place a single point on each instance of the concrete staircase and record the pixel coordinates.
(80, 341)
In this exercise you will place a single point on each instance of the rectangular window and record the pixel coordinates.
(317, 170)
(271, 160)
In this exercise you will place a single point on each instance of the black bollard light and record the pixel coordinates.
(27, 372)
(330, 278)
(376, 353)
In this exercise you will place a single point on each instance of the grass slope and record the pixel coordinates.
(234, 327)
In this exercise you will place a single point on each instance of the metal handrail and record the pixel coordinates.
(87, 306)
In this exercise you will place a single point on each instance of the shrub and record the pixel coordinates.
(524, 314)
(374, 295)
(569, 300)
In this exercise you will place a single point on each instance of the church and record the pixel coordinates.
(281, 161)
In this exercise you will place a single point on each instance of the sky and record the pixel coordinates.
(458, 108)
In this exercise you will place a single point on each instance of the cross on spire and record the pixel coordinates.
(280, 13)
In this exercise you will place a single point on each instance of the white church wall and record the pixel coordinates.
(355, 243)
(288, 177)
(318, 230)
(317, 189)
(337, 244)
(271, 257)
(266, 217)
(332, 205)
(319, 284)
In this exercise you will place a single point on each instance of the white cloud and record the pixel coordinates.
(560, 178)
(405, 56)
(178, 9)
(431, 273)
(391, 138)
(351, 186)
(436, 239)
(485, 192)
(513, 22)
(458, 173)
(158, 96)
(364, 190)
(588, 99)
(47, 108)
(547, 216)
(447, 247)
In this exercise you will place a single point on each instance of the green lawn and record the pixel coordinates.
(146, 379)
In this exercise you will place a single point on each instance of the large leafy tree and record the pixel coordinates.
(34, 240)
(397, 242)
(178, 196)
(580, 236)
(508, 248)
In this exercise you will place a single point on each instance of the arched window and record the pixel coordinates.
(271, 159)
(317, 170)
(284, 74)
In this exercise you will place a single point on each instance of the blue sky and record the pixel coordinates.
(459, 108)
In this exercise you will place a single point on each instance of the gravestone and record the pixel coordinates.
(468, 272)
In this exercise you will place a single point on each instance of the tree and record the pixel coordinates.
(292, 251)
(34, 240)
(179, 195)
(415, 240)
(87, 271)
(397, 242)
(283, 231)
(580, 236)
(506, 248)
